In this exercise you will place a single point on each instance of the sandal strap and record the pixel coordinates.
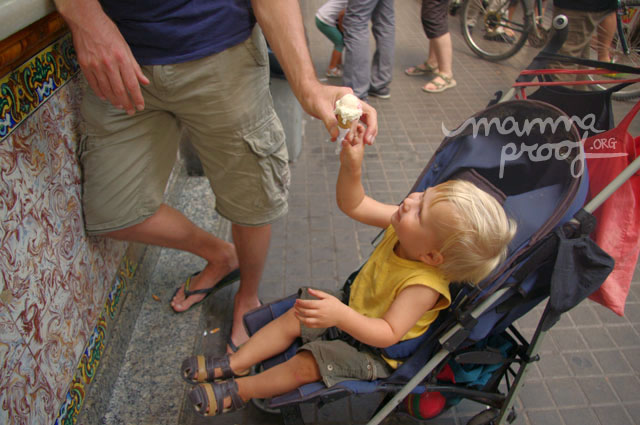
(224, 389)
(213, 363)
(203, 368)
(444, 77)
(187, 284)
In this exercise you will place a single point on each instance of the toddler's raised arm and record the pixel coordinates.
(350, 194)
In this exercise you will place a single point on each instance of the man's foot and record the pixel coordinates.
(201, 283)
(383, 93)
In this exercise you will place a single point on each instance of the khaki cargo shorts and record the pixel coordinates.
(224, 104)
(337, 360)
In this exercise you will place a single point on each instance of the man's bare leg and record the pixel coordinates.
(169, 228)
(252, 247)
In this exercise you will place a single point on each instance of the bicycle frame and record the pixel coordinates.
(628, 16)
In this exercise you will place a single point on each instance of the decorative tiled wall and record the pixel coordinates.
(58, 286)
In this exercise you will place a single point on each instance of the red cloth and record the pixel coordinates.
(618, 228)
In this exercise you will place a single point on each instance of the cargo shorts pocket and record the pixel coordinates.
(268, 144)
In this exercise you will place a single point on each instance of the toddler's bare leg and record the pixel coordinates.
(299, 370)
(272, 339)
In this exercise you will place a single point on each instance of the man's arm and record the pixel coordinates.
(281, 22)
(104, 56)
(405, 311)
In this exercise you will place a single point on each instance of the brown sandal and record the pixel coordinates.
(208, 399)
(197, 369)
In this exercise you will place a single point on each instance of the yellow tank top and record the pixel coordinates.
(385, 274)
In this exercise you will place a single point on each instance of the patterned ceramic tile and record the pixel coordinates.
(23, 90)
(24, 258)
(12, 346)
(27, 397)
(64, 336)
(21, 167)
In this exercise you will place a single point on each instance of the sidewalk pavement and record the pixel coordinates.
(590, 362)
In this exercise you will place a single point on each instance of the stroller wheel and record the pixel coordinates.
(486, 417)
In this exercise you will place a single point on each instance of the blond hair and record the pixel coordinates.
(475, 238)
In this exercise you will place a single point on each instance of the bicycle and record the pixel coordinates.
(624, 49)
(498, 29)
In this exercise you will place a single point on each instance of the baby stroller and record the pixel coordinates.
(550, 257)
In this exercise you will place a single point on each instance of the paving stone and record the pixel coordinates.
(568, 339)
(612, 362)
(597, 390)
(582, 364)
(535, 395)
(582, 416)
(624, 336)
(596, 337)
(553, 365)
(613, 415)
(566, 392)
(627, 387)
(544, 416)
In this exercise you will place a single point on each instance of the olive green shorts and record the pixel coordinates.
(337, 360)
(223, 104)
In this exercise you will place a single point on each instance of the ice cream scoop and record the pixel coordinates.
(348, 109)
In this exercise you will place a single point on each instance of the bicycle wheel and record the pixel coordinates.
(495, 29)
(618, 56)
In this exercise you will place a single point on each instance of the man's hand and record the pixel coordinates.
(104, 56)
(325, 312)
(321, 102)
(281, 22)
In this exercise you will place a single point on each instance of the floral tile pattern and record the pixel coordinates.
(58, 287)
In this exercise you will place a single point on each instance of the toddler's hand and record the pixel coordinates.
(324, 312)
(352, 152)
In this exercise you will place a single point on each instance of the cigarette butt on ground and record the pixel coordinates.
(155, 297)
(212, 331)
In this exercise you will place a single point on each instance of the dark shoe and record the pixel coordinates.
(383, 93)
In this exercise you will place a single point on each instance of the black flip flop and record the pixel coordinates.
(225, 281)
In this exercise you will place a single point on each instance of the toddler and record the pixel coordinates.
(451, 232)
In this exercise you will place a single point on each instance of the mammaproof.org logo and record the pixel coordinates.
(545, 151)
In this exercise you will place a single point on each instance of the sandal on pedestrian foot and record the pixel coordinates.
(334, 72)
(208, 399)
(203, 368)
(449, 82)
(421, 69)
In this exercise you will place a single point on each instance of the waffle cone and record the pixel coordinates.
(343, 124)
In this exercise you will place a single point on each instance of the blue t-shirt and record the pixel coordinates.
(161, 32)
